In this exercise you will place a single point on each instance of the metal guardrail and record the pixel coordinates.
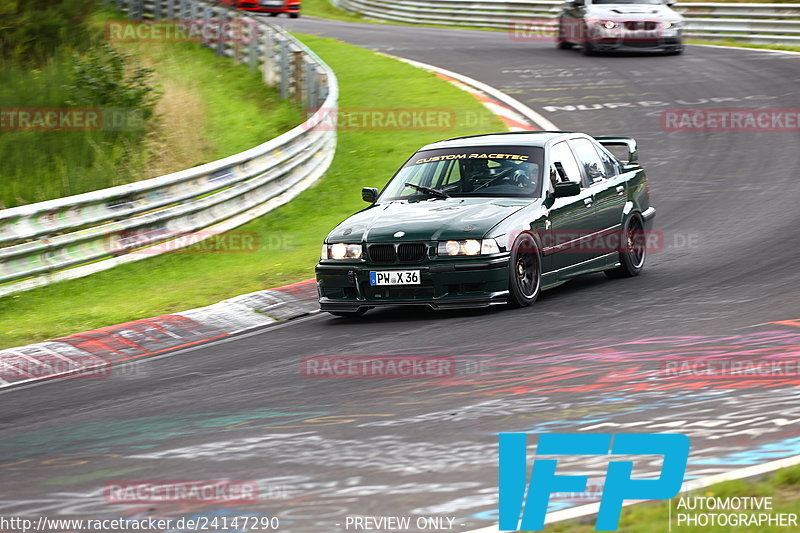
(753, 23)
(75, 236)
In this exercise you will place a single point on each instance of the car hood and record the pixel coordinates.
(427, 220)
(632, 12)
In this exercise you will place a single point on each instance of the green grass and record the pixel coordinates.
(783, 486)
(733, 42)
(227, 106)
(240, 111)
(325, 9)
(40, 165)
(290, 236)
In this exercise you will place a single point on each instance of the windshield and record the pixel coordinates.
(475, 171)
(649, 2)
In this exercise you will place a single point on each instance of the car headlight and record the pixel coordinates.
(468, 247)
(672, 24)
(608, 24)
(341, 251)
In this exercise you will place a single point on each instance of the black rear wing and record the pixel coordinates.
(628, 142)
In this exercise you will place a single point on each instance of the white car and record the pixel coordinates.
(605, 25)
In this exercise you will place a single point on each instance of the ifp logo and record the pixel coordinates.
(619, 486)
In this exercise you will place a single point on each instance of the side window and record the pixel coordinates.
(589, 159)
(609, 161)
(564, 167)
(451, 176)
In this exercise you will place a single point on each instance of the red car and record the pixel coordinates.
(273, 7)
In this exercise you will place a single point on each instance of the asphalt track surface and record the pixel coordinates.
(593, 355)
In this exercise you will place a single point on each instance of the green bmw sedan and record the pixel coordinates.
(490, 219)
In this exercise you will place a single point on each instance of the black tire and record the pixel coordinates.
(587, 48)
(560, 42)
(632, 251)
(524, 272)
(272, 14)
(348, 314)
(294, 15)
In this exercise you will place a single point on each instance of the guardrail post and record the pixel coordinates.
(222, 38)
(268, 59)
(310, 78)
(285, 71)
(298, 71)
(322, 83)
(208, 14)
(254, 34)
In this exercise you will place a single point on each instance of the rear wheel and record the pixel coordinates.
(524, 272)
(633, 249)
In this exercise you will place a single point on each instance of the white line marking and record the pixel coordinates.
(773, 50)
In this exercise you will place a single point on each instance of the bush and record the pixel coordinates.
(32, 30)
(103, 77)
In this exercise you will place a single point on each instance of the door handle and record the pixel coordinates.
(620, 189)
(588, 202)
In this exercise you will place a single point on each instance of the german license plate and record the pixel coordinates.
(394, 277)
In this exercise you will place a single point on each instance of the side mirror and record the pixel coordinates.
(369, 194)
(577, 3)
(670, 3)
(627, 142)
(567, 188)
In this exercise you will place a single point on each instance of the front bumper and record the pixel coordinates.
(451, 284)
(256, 5)
(659, 40)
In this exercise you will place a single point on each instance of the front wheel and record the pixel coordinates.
(633, 249)
(294, 15)
(524, 272)
(562, 43)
